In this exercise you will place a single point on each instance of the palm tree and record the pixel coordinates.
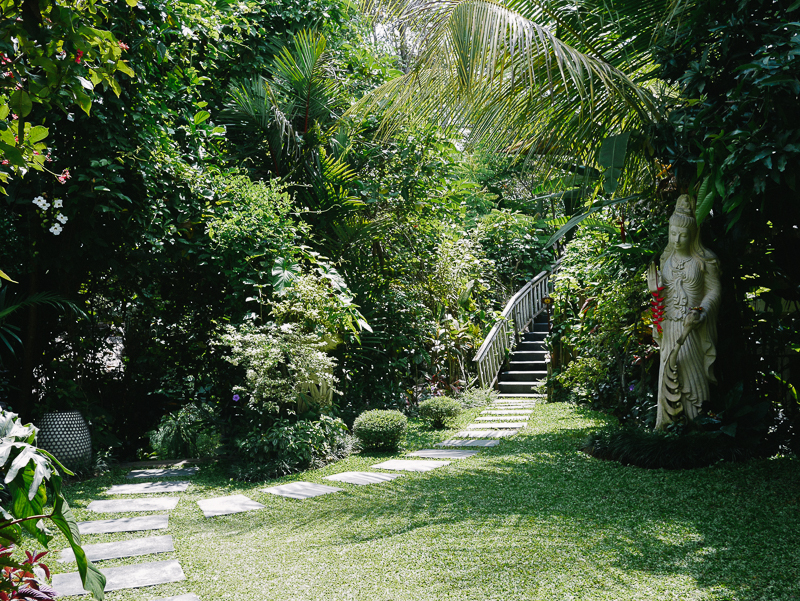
(285, 118)
(550, 80)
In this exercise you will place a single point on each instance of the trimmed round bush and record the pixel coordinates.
(381, 429)
(439, 411)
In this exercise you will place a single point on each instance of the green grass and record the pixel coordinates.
(532, 518)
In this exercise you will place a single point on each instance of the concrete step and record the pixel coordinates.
(531, 347)
(526, 355)
(521, 376)
(504, 397)
(528, 387)
(540, 327)
(527, 366)
(534, 336)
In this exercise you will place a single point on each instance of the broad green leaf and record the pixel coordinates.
(201, 116)
(132, 3)
(37, 134)
(125, 68)
(13, 154)
(83, 101)
(5, 277)
(613, 150)
(20, 103)
(91, 578)
(705, 201)
(283, 272)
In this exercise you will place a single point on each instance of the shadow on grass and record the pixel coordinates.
(733, 529)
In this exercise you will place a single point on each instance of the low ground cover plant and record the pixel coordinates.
(439, 411)
(380, 429)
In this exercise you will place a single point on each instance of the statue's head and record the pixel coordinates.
(682, 225)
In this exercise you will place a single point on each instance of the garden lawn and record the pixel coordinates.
(532, 518)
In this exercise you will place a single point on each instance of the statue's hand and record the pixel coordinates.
(696, 317)
(652, 277)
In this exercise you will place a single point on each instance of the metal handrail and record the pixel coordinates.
(520, 312)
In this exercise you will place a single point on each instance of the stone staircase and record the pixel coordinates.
(527, 367)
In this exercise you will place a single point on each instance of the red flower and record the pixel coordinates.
(78, 56)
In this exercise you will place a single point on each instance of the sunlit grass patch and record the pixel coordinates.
(533, 518)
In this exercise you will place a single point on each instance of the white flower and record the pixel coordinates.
(58, 203)
(61, 218)
(56, 229)
(40, 202)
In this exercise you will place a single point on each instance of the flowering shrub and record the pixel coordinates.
(58, 220)
(277, 360)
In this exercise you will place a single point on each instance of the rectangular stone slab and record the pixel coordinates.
(485, 433)
(442, 454)
(182, 472)
(127, 548)
(494, 418)
(186, 597)
(507, 412)
(146, 522)
(410, 465)
(362, 478)
(125, 505)
(132, 576)
(147, 488)
(228, 505)
(497, 425)
(300, 490)
(468, 442)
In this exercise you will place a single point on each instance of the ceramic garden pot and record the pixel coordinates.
(66, 435)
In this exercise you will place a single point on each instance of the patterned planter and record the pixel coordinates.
(67, 437)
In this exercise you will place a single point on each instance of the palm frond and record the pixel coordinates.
(552, 77)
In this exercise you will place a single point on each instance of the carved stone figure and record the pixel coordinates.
(686, 301)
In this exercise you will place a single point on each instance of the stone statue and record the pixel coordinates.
(685, 305)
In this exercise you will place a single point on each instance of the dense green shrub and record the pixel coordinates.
(288, 447)
(664, 450)
(439, 411)
(380, 429)
(188, 432)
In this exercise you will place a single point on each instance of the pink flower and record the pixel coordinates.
(124, 46)
(65, 175)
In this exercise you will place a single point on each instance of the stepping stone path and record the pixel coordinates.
(468, 442)
(492, 418)
(147, 488)
(301, 490)
(485, 433)
(228, 505)
(498, 425)
(147, 522)
(139, 574)
(163, 473)
(442, 454)
(482, 434)
(362, 478)
(410, 465)
(132, 576)
(127, 548)
(127, 505)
